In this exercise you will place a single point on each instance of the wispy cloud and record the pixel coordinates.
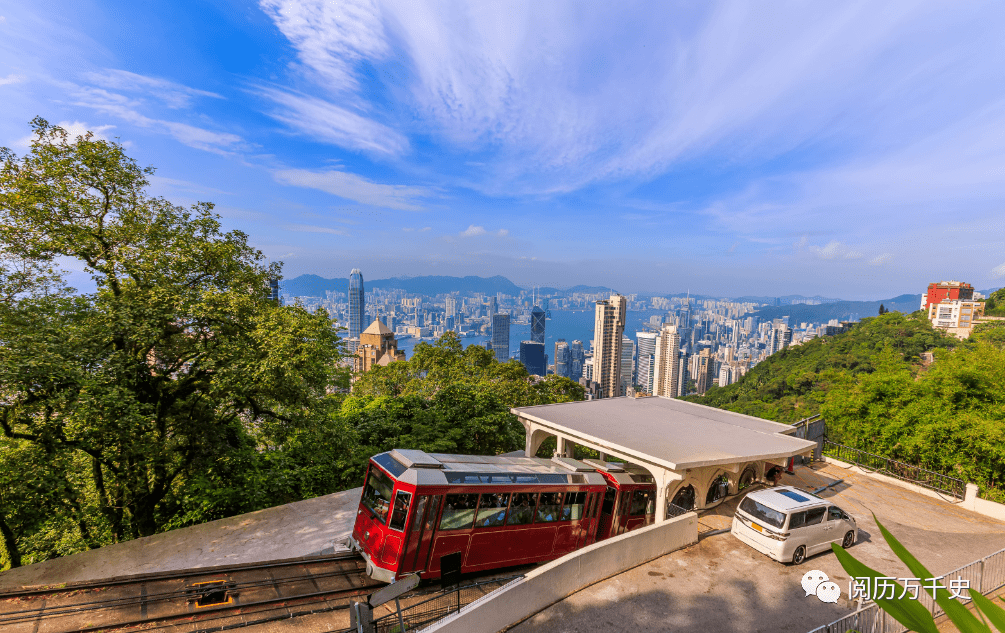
(354, 187)
(879, 260)
(502, 232)
(11, 79)
(321, 120)
(173, 94)
(310, 228)
(998, 271)
(123, 107)
(473, 230)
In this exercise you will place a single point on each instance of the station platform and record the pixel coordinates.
(305, 528)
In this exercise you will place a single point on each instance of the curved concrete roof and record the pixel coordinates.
(673, 433)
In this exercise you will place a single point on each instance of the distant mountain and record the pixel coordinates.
(838, 309)
(315, 286)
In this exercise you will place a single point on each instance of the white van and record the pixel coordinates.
(789, 524)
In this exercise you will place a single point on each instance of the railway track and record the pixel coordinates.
(191, 600)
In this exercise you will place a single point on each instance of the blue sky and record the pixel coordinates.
(852, 149)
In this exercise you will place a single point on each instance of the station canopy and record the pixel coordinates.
(672, 433)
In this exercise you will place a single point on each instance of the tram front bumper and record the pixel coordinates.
(372, 569)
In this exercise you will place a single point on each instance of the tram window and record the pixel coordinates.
(573, 508)
(377, 494)
(643, 502)
(434, 508)
(609, 498)
(626, 498)
(521, 511)
(458, 512)
(590, 498)
(401, 502)
(420, 506)
(492, 510)
(547, 510)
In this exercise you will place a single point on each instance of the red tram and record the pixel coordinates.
(496, 511)
(630, 499)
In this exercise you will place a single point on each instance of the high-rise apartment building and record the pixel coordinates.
(357, 306)
(666, 378)
(562, 358)
(608, 332)
(645, 363)
(576, 359)
(500, 336)
(705, 371)
(538, 318)
(532, 357)
(450, 303)
(627, 364)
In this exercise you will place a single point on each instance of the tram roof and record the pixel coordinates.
(672, 433)
(440, 469)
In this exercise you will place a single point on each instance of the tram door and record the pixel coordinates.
(606, 523)
(422, 533)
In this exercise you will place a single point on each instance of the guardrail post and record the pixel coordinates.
(980, 576)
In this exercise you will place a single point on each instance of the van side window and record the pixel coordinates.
(834, 513)
(814, 516)
(797, 520)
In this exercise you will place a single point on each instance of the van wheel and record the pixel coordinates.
(849, 540)
(799, 555)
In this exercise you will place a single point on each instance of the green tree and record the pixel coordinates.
(176, 376)
(882, 309)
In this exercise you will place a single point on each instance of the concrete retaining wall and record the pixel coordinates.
(982, 506)
(562, 577)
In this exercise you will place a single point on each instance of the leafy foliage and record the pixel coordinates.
(876, 394)
(995, 303)
(174, 393)
(445, 399)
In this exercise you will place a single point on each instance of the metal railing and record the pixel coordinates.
(915, 474)
(675, 511)
(438, 606)
(985, 575)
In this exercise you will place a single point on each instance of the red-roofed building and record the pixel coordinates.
(946, 290)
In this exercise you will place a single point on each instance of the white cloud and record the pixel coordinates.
(325, 121)
(473, 230)
(503, 232)
(310, 228)
(998, 271)
(879, 260)
(174, 95)
(426, 228)
(11, 79)
(354, 187)
(126, 109)
(832, 250)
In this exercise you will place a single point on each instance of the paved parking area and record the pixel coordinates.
(303, 528)
(720, 584)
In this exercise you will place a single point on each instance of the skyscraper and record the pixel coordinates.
(532, 357)
(608, 331)
(274, 291)
(645, 354)
(500, 336)
(577, 357)
(562, 358)
(627, 364)
(705, 371)
(357, 304)
(537, 322)
(666, 381)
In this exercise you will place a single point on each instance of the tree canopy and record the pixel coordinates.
(878, 394)
(177, 375)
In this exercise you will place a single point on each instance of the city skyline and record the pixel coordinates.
(790, 149)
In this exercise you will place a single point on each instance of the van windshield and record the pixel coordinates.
(763, 513)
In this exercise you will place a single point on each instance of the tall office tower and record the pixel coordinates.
(786, 336)
(683, 376)
(357, 304)
(493, 306)
(666, 379)
(656, 320)
(646, 360)
(274, 291)
(627, 364)
(451, 306)
(588, 367)
(537, 322)
(500, 336)
(608, 330)
(576, 359)
(705, 371)
(561, 358)
(532, 357)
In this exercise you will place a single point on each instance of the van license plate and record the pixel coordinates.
(757, 527)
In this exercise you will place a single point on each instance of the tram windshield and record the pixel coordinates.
(377, 493)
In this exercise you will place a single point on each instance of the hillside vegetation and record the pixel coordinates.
(876, 394)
